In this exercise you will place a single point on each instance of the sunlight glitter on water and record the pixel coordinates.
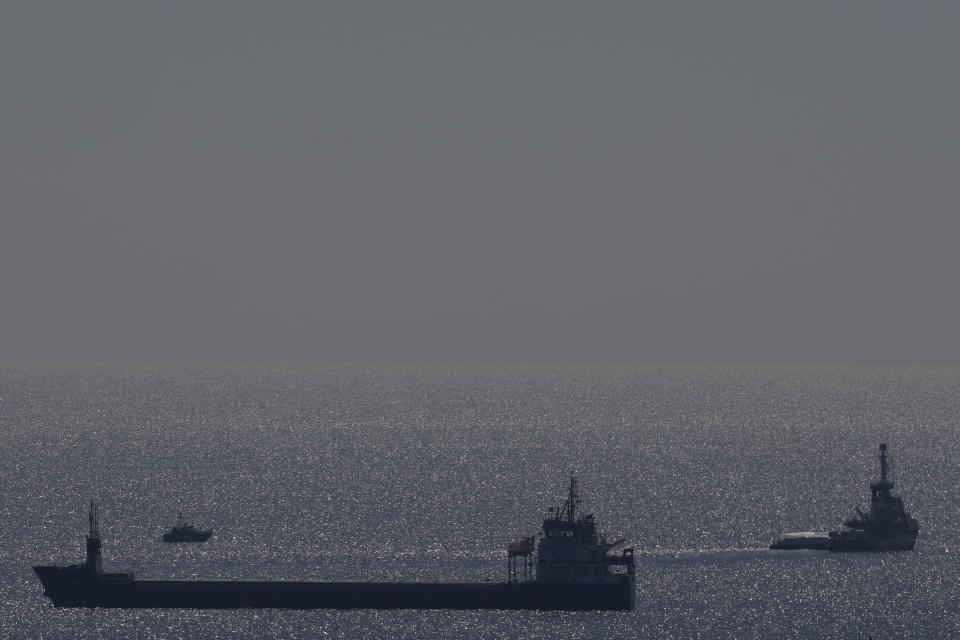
(426, 472)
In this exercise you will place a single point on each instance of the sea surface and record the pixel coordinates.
(426, 472)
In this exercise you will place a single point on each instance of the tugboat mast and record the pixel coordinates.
(882, 488)
(883, 464)
(94, 563)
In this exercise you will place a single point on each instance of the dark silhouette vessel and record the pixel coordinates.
(888, 526)
(183, 532)
(568, 567)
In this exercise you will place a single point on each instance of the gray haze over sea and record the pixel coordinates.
(543, 181)
(425, 472)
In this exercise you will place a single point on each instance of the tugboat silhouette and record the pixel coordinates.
(888, 526)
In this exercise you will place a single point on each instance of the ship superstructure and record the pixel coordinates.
(570, 549)
(569, 567)
(888, 526)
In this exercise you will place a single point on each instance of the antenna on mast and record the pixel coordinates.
(94, 520)
(883, 464)
(94, 561)
(572, 499)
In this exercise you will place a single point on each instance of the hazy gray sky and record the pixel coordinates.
(549, 181)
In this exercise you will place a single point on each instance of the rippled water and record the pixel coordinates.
(413, 472)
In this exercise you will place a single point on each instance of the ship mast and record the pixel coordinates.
(883, 464)
(884, 507)
(94, 560)
(93, 516)
(570, 506)
(884, 485)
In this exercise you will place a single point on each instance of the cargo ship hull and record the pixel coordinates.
(576, 570)
(124, 591)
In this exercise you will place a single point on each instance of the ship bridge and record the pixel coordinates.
(571, 550)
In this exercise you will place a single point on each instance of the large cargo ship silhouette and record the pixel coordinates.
(568, 567)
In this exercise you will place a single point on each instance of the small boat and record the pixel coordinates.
(183, 532)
